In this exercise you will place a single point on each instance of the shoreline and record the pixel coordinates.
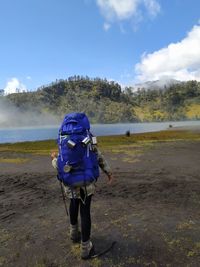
(169, 131)
(15, 135)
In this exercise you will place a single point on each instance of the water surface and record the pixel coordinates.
(12, 135)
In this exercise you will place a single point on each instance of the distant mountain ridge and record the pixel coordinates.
(157, 84)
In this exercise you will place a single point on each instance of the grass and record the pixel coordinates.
(193, 111)
(13, 160)
(38, 147)
(170, 135)
(105, 142)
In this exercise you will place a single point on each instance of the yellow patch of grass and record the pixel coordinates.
(14, 160)
(37, 147)
(131, 260)
(146, 139)
(171, 242)
(96, 262)
(145, 113)
(113, 158)
(185, 225)
(5, 236)
(195, 251)
(75, 250)
(193, 111)
(130, 160)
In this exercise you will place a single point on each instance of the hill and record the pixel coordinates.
(103, 101)
(106, 102)
(157, 84)
(179, 101)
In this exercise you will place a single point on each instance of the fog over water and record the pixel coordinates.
(17, 126)
(11, 116)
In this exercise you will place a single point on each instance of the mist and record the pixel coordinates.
(11, 116)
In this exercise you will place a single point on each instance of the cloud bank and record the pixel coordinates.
(14, 86)
(120, 10)
(180, 61)
(11, 116)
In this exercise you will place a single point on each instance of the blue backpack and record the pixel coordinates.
(77, 162)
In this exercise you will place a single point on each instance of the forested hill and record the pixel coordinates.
(106, 102)
(101, 100)
(177, 102)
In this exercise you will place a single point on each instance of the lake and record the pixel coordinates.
(12, 135)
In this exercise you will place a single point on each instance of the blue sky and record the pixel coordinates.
(128, 41)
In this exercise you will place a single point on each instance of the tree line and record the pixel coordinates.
(106, 102)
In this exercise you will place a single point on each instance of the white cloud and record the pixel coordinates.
(14, 86)
(106, 26)
(28, 78)
(119, 10)
(152, 6)
(179, 60)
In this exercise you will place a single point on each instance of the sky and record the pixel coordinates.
(128, 41)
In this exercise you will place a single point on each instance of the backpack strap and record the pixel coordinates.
(85, 194)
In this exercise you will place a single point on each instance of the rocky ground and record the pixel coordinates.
(152, 210)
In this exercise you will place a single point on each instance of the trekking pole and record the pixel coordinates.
(64, 197)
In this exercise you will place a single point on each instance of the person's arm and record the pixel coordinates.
(54, 159)
(103, 164)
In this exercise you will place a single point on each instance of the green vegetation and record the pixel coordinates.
(39, 147)
(103, 101)
(106, 102)
(178, 102)
(171, 135)
(113, 143)
(13, 160)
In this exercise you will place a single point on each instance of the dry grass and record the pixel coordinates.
(105, 142)
(13, 160)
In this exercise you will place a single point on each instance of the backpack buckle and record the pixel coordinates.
(67, 168)
(94, 140)
(86, 140)
(71, 144)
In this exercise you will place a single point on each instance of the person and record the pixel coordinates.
(80, 198)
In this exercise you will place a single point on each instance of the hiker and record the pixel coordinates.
(78, 171)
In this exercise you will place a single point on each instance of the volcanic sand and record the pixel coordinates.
(152, 210)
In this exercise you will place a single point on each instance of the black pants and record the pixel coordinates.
(84, 212)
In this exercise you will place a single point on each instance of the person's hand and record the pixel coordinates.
(110, 179)
(53, 155)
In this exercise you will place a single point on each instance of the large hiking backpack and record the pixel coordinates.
(77, 162)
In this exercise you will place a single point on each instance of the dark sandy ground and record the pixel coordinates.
(152, 210)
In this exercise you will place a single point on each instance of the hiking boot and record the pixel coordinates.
(75, 234)
(87, 250)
